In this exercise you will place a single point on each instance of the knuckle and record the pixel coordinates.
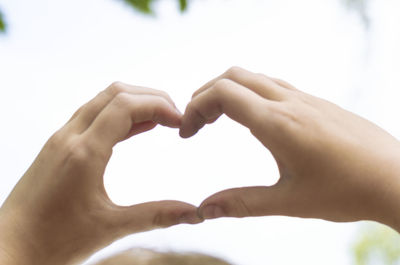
(274, 120)
(157, 92)
(195, 94)
(78, 153)
(165, 219)
(122, 99)
(73, 150)
(77, 112)
(161, 104)
(222, 85)
(234, 205)
(191, 107)
(164, 94)
(116, 87)
(157, 220)
(263, 76)
(278, 80)
(242, 209)
(233, 71)
(286, 117)
(56, 139)
(285, 84)
(160, 108)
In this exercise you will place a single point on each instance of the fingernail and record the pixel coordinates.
(212, 212)
(190, 218)
(183, 132)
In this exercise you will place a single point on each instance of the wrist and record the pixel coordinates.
(393, 219)
(390, 193)
(6, 258)
(14, 249)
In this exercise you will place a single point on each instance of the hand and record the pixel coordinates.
(333, 164)
(59, 212)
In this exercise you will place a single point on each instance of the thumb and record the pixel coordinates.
(151, 215)
(246, 201)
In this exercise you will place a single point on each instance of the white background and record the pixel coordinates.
(59, 54)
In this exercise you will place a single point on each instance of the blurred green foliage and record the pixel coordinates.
(183, 5)
(145, 6)
(2, 24)
(377, 244)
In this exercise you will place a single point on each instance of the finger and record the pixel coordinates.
(117, 120)
(225, 96)
(141, 128)
(85, 115)
(247, 201)
(258, 83)
(283, 83)
(152, 215)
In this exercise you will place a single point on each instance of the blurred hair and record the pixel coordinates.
(150, 257)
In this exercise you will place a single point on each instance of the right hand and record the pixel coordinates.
(59, 212)
(333, 164)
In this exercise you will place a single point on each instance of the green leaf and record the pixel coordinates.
(183, 5)
(2, 23)
(143, 6)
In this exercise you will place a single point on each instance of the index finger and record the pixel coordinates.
(225, 96)
(82, 119)
(115, 121)
(258, 83)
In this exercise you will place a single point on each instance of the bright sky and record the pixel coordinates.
(59, 54)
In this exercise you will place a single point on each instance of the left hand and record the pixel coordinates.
(59, 212)
(333, 164)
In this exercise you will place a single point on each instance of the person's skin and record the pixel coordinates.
(333, 164)
(59, 212)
